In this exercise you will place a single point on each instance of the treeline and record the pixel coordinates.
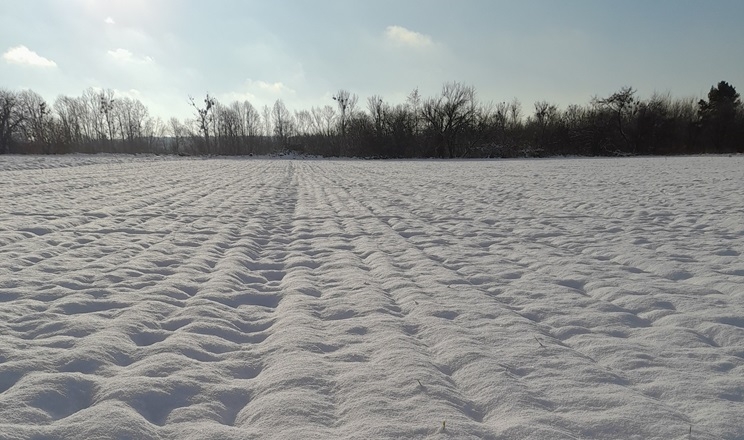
(450, 125)
(95, 122)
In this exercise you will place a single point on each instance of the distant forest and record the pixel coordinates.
(453, 124)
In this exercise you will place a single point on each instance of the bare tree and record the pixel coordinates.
(324, 120)
(515, 114)
(346, 104)
(252, 120)
(37, 121)
(500, 120)
(304, 122)
(107, 107)
(153, 134)
(229, 129)
(94, 120)
(545, 115)
(72, 114)
(205, 118)
(376, 107)
(622, 105)
(266, 113)
(449, 115)
(283, 124)
(413, 102)
(132, 117)
(11, 117)
(177, 131)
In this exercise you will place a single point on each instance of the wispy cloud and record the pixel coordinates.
(407, 37)
(125, 56)
(24, 56)
(109, 20)
(276, 88)
(258, 91)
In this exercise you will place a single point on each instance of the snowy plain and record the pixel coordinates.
(155, 298)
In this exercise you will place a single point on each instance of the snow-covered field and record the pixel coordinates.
(237, 299)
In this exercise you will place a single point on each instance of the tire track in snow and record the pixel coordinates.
(412, 271)
(387, 357)
(390, 278)
(450, 276)
(620, 320)
(618, 296)
(297, 383)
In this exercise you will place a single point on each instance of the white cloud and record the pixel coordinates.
(276, 88)
(259, 92)
(125, 56)
(109, 20)
(407, 37)
(131, 93)
(25, 56)
(120, 54)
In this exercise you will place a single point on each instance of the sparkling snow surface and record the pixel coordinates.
(237, 299)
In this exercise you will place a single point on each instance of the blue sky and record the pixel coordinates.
(161, 51)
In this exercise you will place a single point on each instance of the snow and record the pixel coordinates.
(227, 298)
